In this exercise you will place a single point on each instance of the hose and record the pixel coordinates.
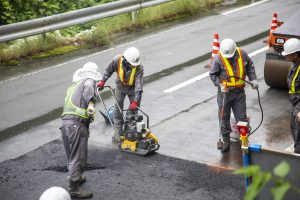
(258, 98)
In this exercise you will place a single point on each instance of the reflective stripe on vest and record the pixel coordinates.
(69, 107)
(293, 88)
(234, 82)
(121, 73)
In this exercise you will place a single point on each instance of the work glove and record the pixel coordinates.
(100, 85)
(133, 105)
(91, 111)
(254, 84)
(298, 117)
(223, 87)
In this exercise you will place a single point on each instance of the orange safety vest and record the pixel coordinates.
(121, 73)
(232, 81)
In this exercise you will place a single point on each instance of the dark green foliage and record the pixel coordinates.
(13, 11)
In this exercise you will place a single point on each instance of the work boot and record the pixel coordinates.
(78, 193)
(226, 143)
(82, 179)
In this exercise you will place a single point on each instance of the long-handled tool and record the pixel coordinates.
(220, 142)
(116, 135)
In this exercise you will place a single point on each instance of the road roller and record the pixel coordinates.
(276, 68)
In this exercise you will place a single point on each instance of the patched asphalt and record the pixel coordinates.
(112, 174)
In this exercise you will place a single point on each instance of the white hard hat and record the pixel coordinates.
(89, 70)
(55, 193)
(227, 48)
(132, 55)
(292, 45)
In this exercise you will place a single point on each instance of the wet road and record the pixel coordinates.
(184, 120)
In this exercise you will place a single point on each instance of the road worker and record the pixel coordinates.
(229, 69)
(78, 113)
(129, 82)
(292, 54)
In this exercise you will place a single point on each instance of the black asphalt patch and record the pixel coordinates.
(112, 174)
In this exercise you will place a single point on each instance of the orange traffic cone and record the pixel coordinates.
(215, 49)
(274, 25)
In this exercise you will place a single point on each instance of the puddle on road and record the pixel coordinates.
(230, 160)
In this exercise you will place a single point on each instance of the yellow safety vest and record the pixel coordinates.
(232, 81)
(69, 107)
(293, 88)
(121, 73)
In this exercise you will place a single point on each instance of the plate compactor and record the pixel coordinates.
(136, 136)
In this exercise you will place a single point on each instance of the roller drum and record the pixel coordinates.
(275, 71)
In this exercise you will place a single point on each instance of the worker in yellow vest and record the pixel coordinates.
(292, 54)
(78, 113)
(129, 82)
(228, 71)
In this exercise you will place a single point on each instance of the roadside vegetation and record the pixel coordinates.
(260, 179)
(98, 33)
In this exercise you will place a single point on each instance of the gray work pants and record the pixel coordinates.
(75, 139)
(121, 92)
(295, 128)
(236, 101)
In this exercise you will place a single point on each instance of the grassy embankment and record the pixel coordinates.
(100, 33)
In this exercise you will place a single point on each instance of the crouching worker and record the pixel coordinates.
(129, 82)
(78, 113)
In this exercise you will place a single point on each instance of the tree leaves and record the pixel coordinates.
(260, 179)
(282, 169)
(13, 11)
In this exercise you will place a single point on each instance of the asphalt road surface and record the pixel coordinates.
(112, 174)
(183, 115)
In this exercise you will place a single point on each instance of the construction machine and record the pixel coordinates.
(276, 67)
(136, 136)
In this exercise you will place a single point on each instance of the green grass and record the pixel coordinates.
(56, 52)
(55, 43)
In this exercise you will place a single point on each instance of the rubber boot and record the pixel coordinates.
(226, 143)
(82, 179)
(78, 193)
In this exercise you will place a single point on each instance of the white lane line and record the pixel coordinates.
(188, 82)
(197, 78)
(244, 7)
(258, 51)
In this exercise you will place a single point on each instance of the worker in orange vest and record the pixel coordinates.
(129, 82)
(228, 72)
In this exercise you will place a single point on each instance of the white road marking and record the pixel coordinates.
(258, 51)
(197, 78)
(244, 7)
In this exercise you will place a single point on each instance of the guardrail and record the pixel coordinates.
(58, 21)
